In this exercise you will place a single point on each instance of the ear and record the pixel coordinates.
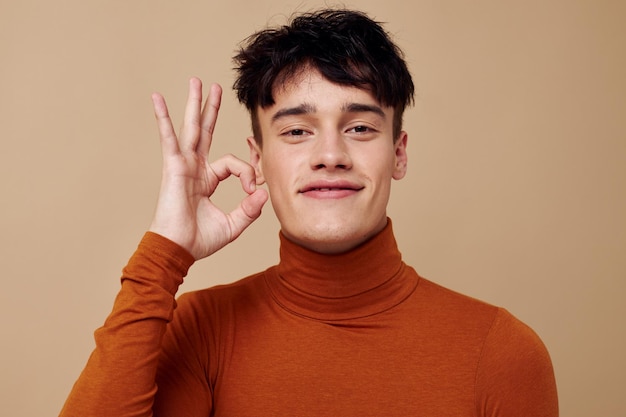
(255, 159)
(401, 156)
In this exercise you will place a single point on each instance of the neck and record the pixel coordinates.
(366, 280)
(338, 246)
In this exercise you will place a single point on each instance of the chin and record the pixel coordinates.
(330, 238)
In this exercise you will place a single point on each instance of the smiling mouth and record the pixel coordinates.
(330, 192)
(328, 189)
(331, 189)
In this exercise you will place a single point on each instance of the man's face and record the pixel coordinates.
(328, 157)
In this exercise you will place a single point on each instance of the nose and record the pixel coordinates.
(330, 152)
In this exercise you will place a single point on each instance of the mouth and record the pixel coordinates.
(327, 190)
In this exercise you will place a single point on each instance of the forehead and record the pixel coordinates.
(309, 92)
(309, 82)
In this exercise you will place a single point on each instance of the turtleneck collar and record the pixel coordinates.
(365, 281)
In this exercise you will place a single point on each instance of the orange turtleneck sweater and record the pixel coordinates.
(357, 334)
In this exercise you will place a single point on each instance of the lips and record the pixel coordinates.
(330, 189)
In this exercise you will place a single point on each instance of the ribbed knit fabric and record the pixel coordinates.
(356, 334)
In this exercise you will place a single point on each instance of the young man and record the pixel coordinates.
(341, 326)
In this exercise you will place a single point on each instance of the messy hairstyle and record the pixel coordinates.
(346, 47)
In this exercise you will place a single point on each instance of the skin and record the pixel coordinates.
(328, 157)
(184, 212)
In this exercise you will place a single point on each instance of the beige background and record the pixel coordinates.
(516, 192)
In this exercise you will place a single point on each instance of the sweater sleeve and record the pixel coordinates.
(187, 362)
(119, 378)
(515, 377)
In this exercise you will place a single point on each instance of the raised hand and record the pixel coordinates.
(185, 213)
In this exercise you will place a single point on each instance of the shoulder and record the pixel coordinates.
(245, 290)
(506, 339)
(515, 371)
(512, 346)
(446, 306)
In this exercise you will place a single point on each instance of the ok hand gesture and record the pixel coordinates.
(185, 213)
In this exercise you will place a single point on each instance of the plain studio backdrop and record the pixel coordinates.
(516, 191)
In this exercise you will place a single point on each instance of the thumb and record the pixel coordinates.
(247, 211)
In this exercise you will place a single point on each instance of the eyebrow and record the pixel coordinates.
(306, 108)
(363, 108)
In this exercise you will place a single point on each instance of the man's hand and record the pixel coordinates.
(185, 213)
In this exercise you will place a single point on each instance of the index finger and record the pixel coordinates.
(229, 165)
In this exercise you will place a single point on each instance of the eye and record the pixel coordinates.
(295, 134)
(360, 129)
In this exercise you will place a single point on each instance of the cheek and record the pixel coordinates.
(379, 165)
(283, 163)
(277, 175)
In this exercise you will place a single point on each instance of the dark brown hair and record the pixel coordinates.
(346, 47)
